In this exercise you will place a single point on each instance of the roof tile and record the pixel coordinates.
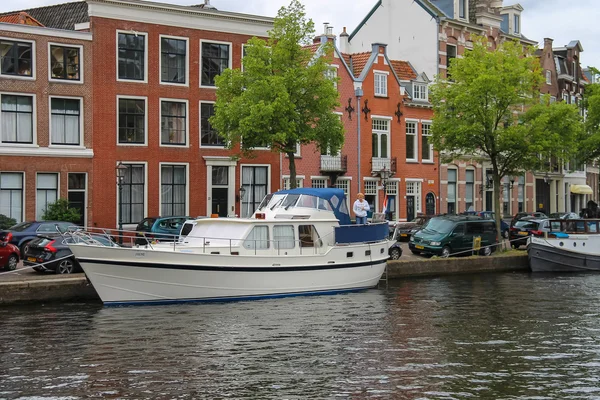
(59, 16)
(404, 70)
(20, 18)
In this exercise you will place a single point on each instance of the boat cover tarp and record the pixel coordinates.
(362, 233)
(335, 197)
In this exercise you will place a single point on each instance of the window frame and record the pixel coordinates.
(420, 88)
(33, 120)
(448, 58)
(427, 123)
(22, 190)
(187, 184)
(229, 63)
(415, 136)
(253, 185)
(187, 122)
(517, 24)
(384, 75)
(187, 61)
(127, 224)
(132, 32)
(79, 81)
(465, 9)
(548, 77)
(124, 97)
(211, 146)
(37, 189)
(332, 74)
(31, 77)
(470, 188)
(81, 124)
(455, 184)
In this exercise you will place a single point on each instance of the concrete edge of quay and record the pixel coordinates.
(63, 289)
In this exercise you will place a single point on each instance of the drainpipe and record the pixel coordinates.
(358, 92)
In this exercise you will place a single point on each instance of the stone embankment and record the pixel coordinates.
(30, 288)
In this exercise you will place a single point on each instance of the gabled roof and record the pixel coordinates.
(404, 70)
(21, 18)
(356, 62)
(59, 16)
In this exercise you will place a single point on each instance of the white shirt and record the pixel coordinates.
(360, 208)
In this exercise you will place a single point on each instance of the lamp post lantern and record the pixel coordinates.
(120, 173)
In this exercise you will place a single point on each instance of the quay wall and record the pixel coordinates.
(58, 288)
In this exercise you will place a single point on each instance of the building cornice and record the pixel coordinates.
(46, 152)
(43, 31)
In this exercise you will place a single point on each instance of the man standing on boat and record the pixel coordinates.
(360, 209)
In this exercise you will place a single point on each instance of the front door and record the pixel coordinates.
(542, 196)
(430, 204)
(410, 208)
(219, 201)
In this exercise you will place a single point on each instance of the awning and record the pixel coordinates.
(581, 189)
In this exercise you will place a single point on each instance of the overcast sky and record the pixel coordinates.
(562, 20)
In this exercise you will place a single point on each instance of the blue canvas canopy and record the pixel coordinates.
(335, 197)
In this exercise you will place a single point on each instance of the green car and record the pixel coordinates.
(455, 235)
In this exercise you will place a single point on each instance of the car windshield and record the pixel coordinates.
(439, 225)
(524, 224)
(21, 227)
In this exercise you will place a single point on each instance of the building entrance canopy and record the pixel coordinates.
(581, 189)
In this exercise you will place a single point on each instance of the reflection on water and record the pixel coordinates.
(488, 336)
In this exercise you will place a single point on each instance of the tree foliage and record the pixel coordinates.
(491, 108)
(590, 144)
(6, 222)
(60, 211)
(281, 97)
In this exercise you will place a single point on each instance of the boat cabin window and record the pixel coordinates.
(324, 205)
(308, 236)
(283, 236)
(265, 201)
(186, 229)
(592, 226)
(307, 201)
(290, 200)
(258, 238)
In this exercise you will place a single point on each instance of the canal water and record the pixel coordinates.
(493, 336)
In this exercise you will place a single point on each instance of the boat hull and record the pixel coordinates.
(136, 277)
(545, 257)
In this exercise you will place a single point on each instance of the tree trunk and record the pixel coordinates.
(497, 210)
(292, 165)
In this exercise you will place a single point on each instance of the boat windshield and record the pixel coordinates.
(265, 201)
(290, 201)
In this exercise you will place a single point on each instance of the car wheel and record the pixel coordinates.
(505, 235)
(514, 246)
(24, 248)
(66, 266)
(395, 253)
(12, 262)
(445, 252)
(486, 251)
(416, 252)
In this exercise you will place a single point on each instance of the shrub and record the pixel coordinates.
(60, 211)
(6, 222)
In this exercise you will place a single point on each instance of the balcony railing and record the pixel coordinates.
(334, 163)
(379, 164)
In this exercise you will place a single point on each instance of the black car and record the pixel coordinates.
(519, 215)
(521, 230)
(21, 234)
(52, 253)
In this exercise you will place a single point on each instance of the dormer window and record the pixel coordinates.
(517, 27)
(380, 84)
(419, 91)
(462, 9)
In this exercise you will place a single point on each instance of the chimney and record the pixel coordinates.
(344, 45)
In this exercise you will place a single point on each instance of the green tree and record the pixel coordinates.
(590, 144)
(492, 109)
(6, 222)
(282, 98)
(60, 211)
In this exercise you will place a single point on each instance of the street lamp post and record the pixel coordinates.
(120, 173)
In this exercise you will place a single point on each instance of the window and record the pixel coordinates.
(380, 84)
(132, 56)
(283, 237)
(548, 77)
(132, 121)
(552, 99)
(258, 238)
(451, 191)
(566, 97)
(319, 183)
(215, 60)
(254, 180)
(173, 190)
(132, 200)
(521, 193)
(426, 146)
(16, 58)
(505, 196)
(380, 141)
(517, 24)
(76, 195)
(65, 121)
(470, 189)
(308, 236)
(344, 184)
(287, 186)
(450, 55)
(173, 61)
(411, 141)
(208, 135)
(46, 193)
(17, 119)
(173, 123)
(420, 92)
(462, 9)
(65, 63)
(331, 74)
(11, 195)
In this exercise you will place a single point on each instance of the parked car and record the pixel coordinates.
(504, 227)
(520, 215)
(564, 215)
(21, 234)
(54, 253)
(395, 251)
(407, 229)
(525, 227)
(165, 229)
(447, 235)
(9, 256)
